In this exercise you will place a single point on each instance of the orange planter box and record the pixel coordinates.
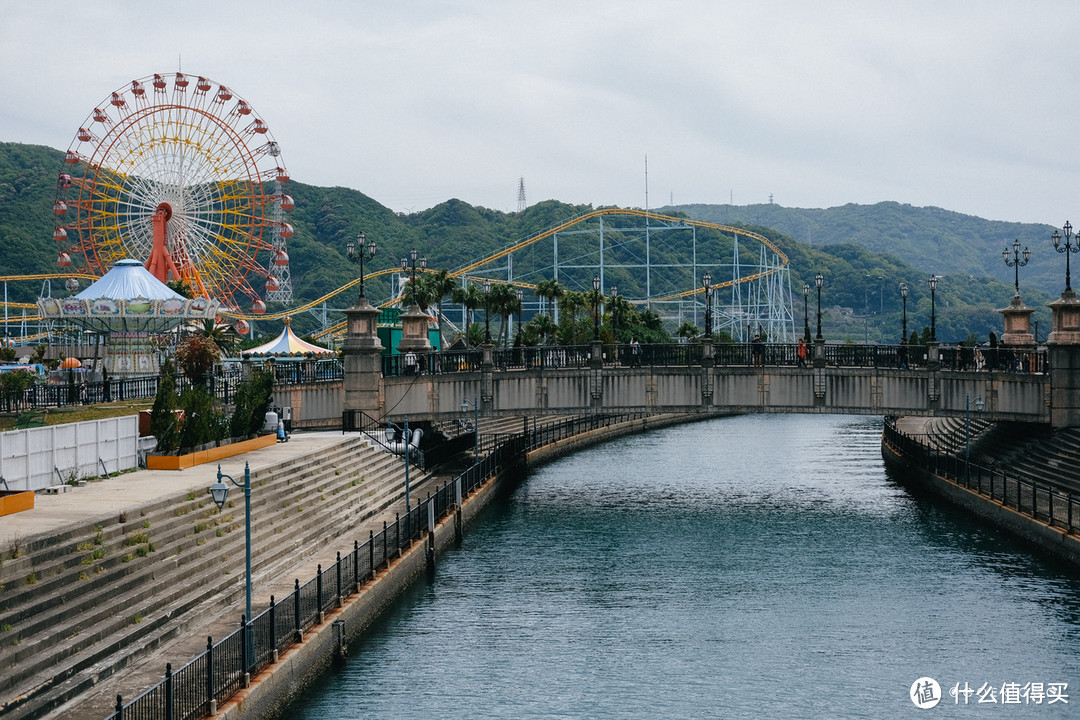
(179, 462)
(16, 501)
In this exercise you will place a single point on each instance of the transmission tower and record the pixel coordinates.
(521, 194)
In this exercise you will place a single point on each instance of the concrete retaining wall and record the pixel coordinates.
(1055, 540)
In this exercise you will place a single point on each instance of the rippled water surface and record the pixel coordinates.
(759, 566)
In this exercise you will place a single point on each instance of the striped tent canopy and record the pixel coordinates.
(287, 343)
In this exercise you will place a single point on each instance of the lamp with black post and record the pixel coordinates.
(596, 307)
(1068, 249)
(614, 314)
(819, 280)
(806, 310)
(903, 296)
(1016, 263)
(933, 308)
(520, 307)
(357, 253)
(487, 312)
(219, 492)
(979, 404)
(706, 283)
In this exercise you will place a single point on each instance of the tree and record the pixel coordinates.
(439, 284)
(687, 330)
(180, 287)
(549, 291)
(472, 298)
(504, 301)
(163, 419)
(253, 399)
(196, 355)
(541, 326)
(221, 334)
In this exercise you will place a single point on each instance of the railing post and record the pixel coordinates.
(168, 692)
(356, 565)
(296, 611)
(397, 532)
(318, 590)
(245, 661)
(385, 555)
(371, 553)
(273, 628)
(210, 695)
(339, 578)
(119, 707)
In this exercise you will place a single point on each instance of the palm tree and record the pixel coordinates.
(439, 284)
(504, 301)
(687, 330)
(223, 335)
(622, 314)
(471, 298)
(549, 291)
(542, 325)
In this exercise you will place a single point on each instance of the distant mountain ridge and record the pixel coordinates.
(932, 239)
(865, 251)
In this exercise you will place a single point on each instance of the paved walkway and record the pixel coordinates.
(112, 495)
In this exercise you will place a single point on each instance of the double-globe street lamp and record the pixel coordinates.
(1016, 263)
(903, 296)
(219, 492)
(357, 253)
(596, 308)
(979, 404)
(1069, 249)
(408, 264)
(487, 312)
(819, 280)
(614, 314)
(806, 309)
(706, 282)
(933, 308)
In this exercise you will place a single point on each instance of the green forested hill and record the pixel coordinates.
(929, 238)
(864, 251)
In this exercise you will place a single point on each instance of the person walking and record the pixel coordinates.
(635, 353)
(802, 352)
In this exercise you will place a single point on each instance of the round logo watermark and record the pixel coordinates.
(925, 693)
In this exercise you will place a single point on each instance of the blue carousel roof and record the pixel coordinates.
(127, 280)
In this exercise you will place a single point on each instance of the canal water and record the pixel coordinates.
(748, 567)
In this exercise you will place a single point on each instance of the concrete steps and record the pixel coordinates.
(197, 561)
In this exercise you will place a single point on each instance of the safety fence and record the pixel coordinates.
(1046, 503)
(901, 357)
(227, 665)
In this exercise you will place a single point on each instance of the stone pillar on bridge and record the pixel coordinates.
(362, 352)
(596, 375)
(708, 361)
(414, 331)
(1017, 324)
(819, 371)
(487, 381)
(1063, 347)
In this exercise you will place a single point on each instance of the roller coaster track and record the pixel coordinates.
(464, 271)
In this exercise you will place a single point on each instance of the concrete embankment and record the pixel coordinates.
(1041, 534)
(282, 682)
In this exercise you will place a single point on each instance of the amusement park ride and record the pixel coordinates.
(180, 173)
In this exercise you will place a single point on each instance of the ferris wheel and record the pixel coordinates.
(181, 173)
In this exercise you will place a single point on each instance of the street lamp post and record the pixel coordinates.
(408, 264)
(1016, 263)
(487, 312)
(614, 316)
(967, 430)
(806, 309)
(819, 280)
(358, 253)
(706, 282)
(596, 307)
(475, 405)
(903, 294)
(1068, 250)
(219, 491)
(933, 308)
(520, 307)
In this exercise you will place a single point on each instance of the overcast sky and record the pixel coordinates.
(969, 106)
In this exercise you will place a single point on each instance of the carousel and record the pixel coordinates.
(135, 313)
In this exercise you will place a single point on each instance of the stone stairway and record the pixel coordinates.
(89, 601)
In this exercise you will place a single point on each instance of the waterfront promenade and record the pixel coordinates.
(102, 502)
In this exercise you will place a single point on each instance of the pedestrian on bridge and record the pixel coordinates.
(802, 352)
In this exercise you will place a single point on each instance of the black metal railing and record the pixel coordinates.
(218, 673)
(725, 355)
(1044, 502)
(377, 430)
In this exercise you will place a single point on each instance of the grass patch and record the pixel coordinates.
(85, 546)
(136, 539)
(98, 553)
(31, 579)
